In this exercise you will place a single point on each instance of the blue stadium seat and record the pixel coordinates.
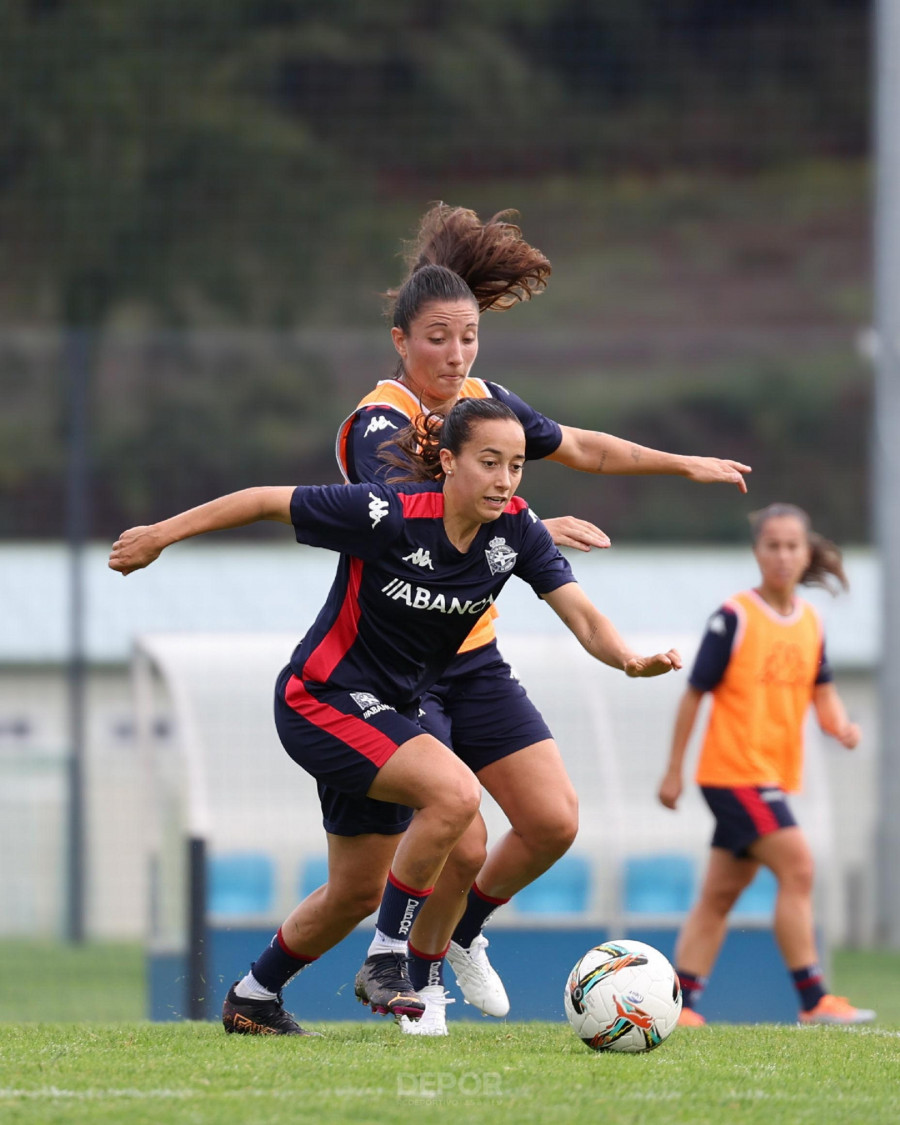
(313, 874)
(658, 884)
(564, 889)
(758, 900)
(240, 883)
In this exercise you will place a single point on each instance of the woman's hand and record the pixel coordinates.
(670, 789)
(849, 736)
(568, 531)
(657, 665)
(715, 470)
(136, 548)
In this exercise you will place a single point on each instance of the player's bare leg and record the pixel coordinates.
(445, 794)
(703, 932)
(537, 796)
(788, 855)
(534, 790)
(357, 870)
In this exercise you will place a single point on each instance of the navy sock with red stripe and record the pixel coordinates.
(399, 906)
(479, 908)
(809, 984)
(426, 968)
(278, 965)
(692, 986)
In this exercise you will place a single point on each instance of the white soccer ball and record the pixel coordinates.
(623, 996)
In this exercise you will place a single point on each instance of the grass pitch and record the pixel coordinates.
(98, 1062)
(538, 1072)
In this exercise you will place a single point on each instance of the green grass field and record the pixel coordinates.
(73, 1048)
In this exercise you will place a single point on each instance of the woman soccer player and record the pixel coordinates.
(763, 660)
(458, 267)
(419, 563)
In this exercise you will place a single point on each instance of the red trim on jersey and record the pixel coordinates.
(515, 505)
(392, 879)
(764, 820)
(355, 733)
(422, 505)
(336, 643)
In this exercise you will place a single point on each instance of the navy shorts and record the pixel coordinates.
(343, 738)
(481, 711)
(746, 813)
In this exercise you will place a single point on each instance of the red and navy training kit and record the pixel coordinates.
(403, 600)
(478, 707)
(743, 813)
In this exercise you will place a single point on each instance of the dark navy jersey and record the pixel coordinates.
(715, 652)
(404, 598)
(374, 425)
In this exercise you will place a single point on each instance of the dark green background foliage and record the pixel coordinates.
(216, 194)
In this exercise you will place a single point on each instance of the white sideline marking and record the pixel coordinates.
(53, 1092)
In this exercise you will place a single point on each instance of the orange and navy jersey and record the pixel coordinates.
(390, 407)
(761, 668)
(404, 597)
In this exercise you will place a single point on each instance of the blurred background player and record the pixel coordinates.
(460, 266)
(763, 659)
(346, 705)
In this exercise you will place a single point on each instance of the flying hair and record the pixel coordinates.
(457, 256)
(415, 451)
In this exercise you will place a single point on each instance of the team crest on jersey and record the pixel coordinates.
(378, 509)
(369, 704)
(378, 424)
(419, 557)
(501, 558)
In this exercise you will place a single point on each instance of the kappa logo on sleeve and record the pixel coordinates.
(717, 624)
(378, 424)
(378, 509)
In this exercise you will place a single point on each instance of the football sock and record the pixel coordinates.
(809, 985)
(399, 906)
(479, 908)
(692, 987)
(426, 968)
(272, 970)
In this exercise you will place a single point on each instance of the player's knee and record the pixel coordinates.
(798, 878)
(459, 801)
(553, 831)
(466, 859)
(356, 899)
(722, 898)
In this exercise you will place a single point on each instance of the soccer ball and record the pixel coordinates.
(623, 996)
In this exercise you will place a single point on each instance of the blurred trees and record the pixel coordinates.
(168, 166)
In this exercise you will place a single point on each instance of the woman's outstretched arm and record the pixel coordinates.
(139, 546)
(601, 639)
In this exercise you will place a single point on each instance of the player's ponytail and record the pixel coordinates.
(456, 256)
(826, 566)
(415, 452)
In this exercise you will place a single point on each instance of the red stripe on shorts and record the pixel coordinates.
(356, 733)
(337, 642)
(758, 810)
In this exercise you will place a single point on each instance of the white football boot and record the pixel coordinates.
(481, 986)
(433, 1020)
